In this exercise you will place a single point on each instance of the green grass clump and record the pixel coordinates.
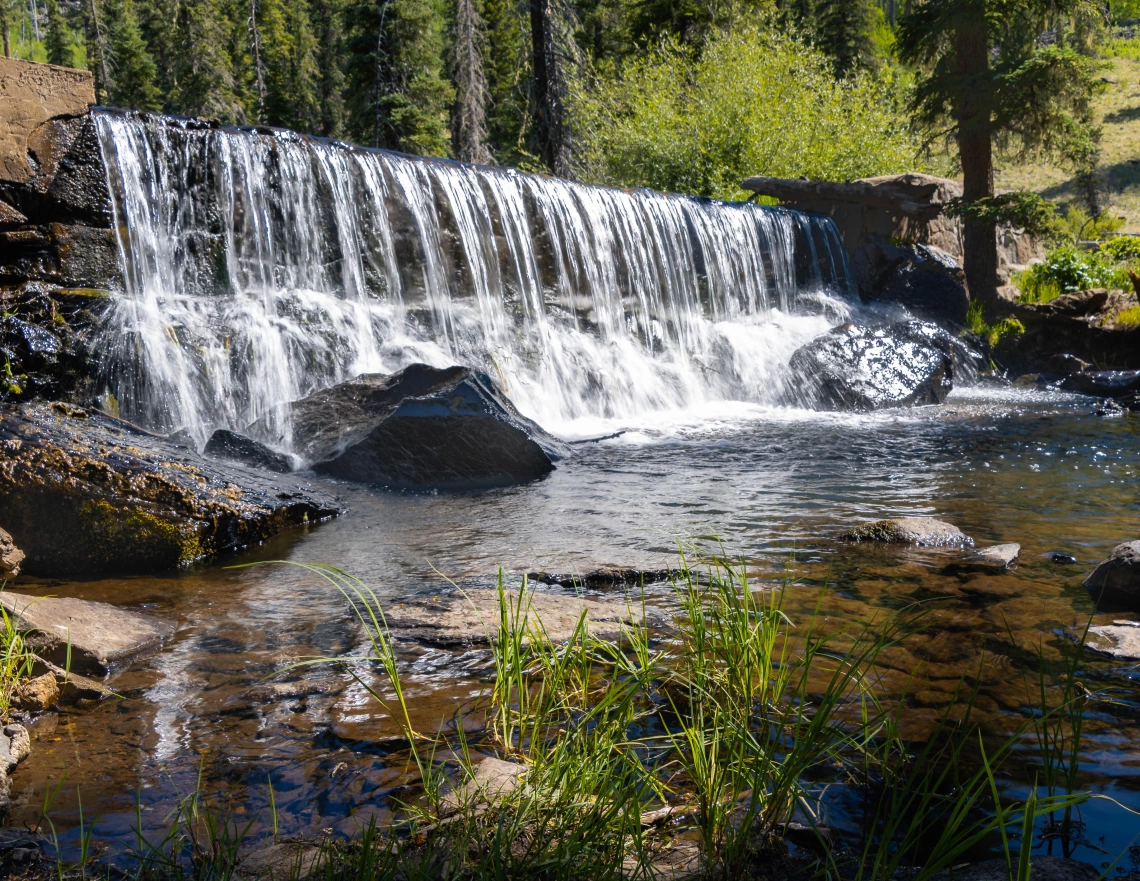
(15, 659)
(1129, 317)
(991, 333)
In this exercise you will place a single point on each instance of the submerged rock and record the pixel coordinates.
(921, 531)
(472, 617)
(95, 636)
(423, 427)
(10, 557)
(605, 577)
(992, 560)
(1103, 384)
(1115, 584)
(86, 494)
(868, 368)
(492, 780)
(1041, 868)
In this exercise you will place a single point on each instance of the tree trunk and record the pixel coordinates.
(258, 64)
(549, 90)
(975, 148)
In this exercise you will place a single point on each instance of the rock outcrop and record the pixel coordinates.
(923, 279)
(423, 427)
(868, 368)
(10, 557)
(88, 494)
(1115, 583)
(920, 531)
(94, 636)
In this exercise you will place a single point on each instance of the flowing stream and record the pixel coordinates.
(262, 266)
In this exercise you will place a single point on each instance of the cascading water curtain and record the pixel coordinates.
(261, 267)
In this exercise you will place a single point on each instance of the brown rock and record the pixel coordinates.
(492, 779)
(31, 94)
(10, 557)
(994, 559)
(37, 694)
(921, 531)
(281, 860)
(1078, 304)
(92, 494)
(96, 636)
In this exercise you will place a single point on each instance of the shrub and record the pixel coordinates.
(753, 102)
(1067, 269)
(1129, 317)
(994, 333)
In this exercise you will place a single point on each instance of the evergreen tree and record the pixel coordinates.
(289, 53)
(131, 68)
(987, 82)
(508, 70)
(469, 116)
(843, 29)
(399, 98)
(327, 18)
(549, 33)
(97, 49)
(58, 41)
(203, 82)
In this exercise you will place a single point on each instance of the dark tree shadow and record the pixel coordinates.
(1125, 114)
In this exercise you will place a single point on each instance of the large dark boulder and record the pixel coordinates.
(423, 427)
(226, 444)
(1115, 584)
(906, 364)
(925, 280)
(83, 493)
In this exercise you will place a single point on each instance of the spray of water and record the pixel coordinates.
(259, 267)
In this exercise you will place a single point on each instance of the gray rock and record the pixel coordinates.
(992, 560)
(869, 368)
(1041, 868)
(1115, 584)
(472, 617)
(492, 780)
(423, 427)
(226, 444)
(921, 531)
(1119, 640)
(1103, 384)
(99, 635)
(15, 746)
(10, 557)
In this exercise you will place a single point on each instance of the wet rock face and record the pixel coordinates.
(924, 279)
(226, 444)
(906, 364)
(87, 494)
(423, 427)
(1104, 383)
(1115, 584)
(49, 341)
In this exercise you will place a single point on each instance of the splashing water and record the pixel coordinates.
(262, 266)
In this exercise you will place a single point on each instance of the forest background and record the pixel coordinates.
(681, 95)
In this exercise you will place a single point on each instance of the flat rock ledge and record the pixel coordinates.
(100, 635)
(87, 494)
(1115, 584)
(1120, 640)
(472, 617)
(920, 531)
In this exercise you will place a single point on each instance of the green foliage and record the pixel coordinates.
(398, 96)
(59, 42)
(753, 102)
(1068, 268)
(994, 333)
(1028, 211)
(291, 71)
(1129, 317)
(132, 68)
(845, 30)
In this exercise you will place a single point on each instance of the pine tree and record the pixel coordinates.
(985, 79)
(58, 41)
(202, 78)
(131, 67)
(469, 116)
(288, 72)
(327, 17)
(97, 49)
(399, 97)
(508, 69)
(843, 29)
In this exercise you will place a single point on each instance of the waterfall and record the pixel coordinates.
(262, 265)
